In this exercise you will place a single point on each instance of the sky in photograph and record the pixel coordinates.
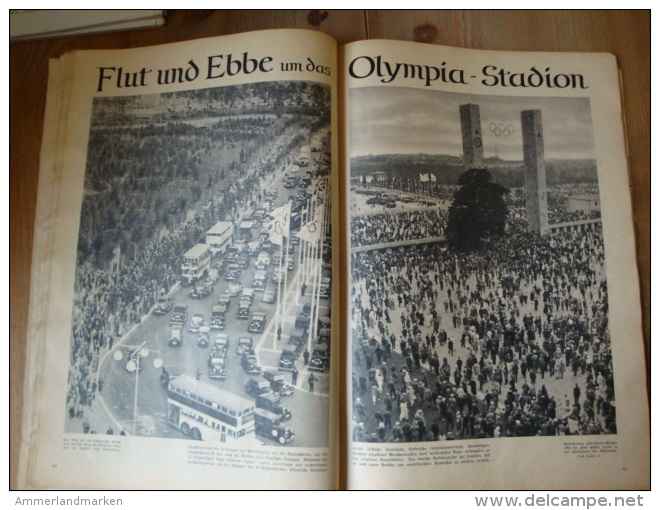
(396, 120)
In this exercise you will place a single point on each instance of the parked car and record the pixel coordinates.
(319, 359)
(288, 357)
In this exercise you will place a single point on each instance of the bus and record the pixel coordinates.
(196, 263)
(219, 236)
(205, 412)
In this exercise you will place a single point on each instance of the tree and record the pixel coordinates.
(478, 212)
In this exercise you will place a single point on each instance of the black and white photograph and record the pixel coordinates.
(479, 296)
(203, 274)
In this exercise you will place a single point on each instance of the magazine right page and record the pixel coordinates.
(494, 309)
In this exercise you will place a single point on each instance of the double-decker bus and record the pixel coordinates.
(207, 413)
(196, 263)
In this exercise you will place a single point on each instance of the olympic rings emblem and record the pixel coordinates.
(501, 129)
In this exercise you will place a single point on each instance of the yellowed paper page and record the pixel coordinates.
(494, 313)
(196, 178)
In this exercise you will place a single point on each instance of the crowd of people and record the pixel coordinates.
(509, 341)
(116, 290)
(384, 227)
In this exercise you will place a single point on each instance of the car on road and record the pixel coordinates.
(260, 279)
(319, 359)
(176, 335)
(217, 368)
(233, 272)
(325, 287)
(288, 357)
(247, 294)
(256, 388)
(243, 261)
(277, 274)
(244, 343)
(302, 321)
(234, 289)
(218, 317)
(225, 299)
(201, 291)
(179, 314)
(271, 403)
(163, 305)
(253, 247)
(258, 323)
(196, 322)
(263, 260)
(204, 336)
(278, 383)
(250, 364)
(244, 310)
(213, 277)
(270, 296)
(268, 424)
(220, 346)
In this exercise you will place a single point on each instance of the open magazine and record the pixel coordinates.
(263, 261)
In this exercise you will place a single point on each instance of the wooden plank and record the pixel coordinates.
(409, 25)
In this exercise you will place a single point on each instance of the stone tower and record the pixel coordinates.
(535, 186)
(473, 151)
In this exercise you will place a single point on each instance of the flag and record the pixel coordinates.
(433, 177)
(279, 225)
(311, 230)
(423, 178)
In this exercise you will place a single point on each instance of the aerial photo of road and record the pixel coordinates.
(217, 326)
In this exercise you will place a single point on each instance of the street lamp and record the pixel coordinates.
(133, 365)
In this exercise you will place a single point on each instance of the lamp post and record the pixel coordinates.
(133, 365)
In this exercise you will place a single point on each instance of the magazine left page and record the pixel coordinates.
(180, 325)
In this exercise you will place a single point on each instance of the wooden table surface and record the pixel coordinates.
(627, 34)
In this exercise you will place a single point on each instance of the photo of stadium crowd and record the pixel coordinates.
(478, 287)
